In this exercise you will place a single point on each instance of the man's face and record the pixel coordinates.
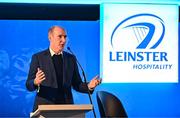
(57, 39)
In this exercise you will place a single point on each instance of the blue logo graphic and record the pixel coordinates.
(147, 29)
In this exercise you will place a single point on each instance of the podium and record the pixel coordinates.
(46, 111)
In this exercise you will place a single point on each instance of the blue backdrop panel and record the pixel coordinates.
(22, 38)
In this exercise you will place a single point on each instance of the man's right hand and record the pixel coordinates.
(40, 76)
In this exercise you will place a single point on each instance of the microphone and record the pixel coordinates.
(79, 65)
(85, 80)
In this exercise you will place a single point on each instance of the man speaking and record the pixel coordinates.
(53, 72)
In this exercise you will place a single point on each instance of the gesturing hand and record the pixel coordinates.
(94, 82)
(40, 76)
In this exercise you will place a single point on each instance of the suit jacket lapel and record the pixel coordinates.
(64, 67)
(51, 68)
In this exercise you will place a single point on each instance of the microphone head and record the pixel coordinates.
(68, 48)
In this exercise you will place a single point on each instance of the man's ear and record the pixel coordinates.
(49, 37)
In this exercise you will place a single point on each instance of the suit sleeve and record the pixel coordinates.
(32, 74)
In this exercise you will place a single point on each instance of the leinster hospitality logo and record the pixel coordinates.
(137, 39)
(149, 32)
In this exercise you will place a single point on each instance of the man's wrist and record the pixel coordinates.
(91, 89)
(37, 86)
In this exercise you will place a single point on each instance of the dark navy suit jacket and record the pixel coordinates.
(49, 87)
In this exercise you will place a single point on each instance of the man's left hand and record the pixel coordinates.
(94, 82)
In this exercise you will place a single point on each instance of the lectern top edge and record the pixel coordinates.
(59, 109)
(65, 107)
